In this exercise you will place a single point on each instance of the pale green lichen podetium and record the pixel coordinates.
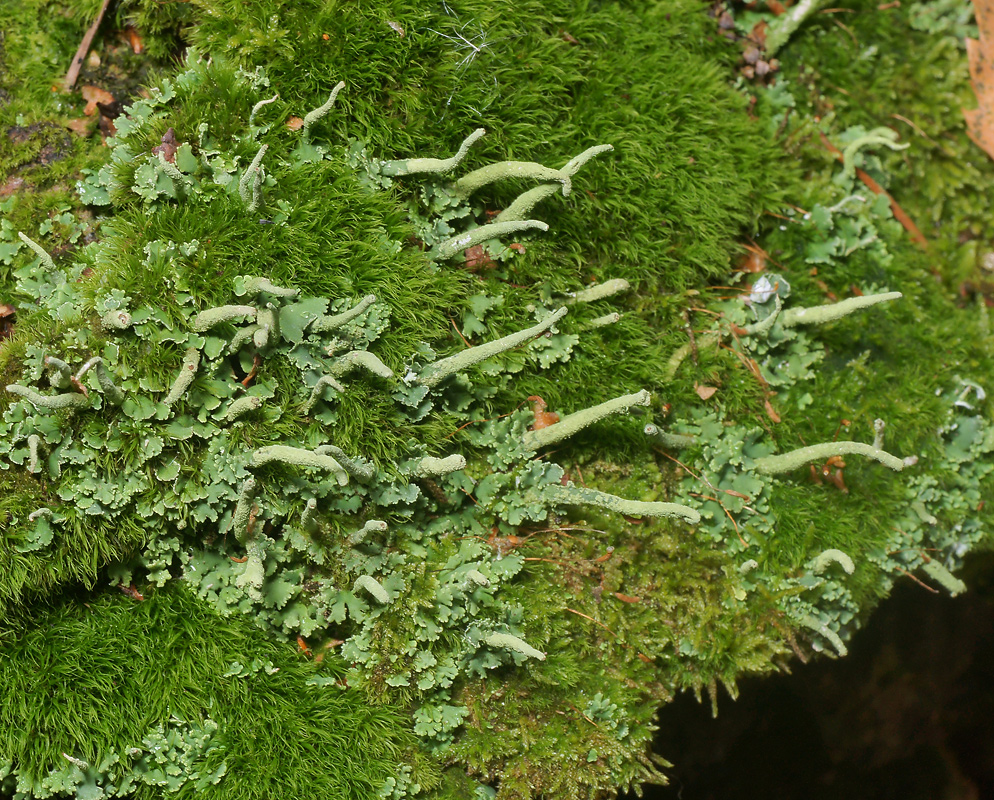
(356, 467)
(431, 166)
(56, 402)
(46, 259)
(113, 394)
(187, 372)
(526, 201)
(59, 375)
(207, 319)
(116, 320)
(373, 587)
(245, 190)
(599, 291)
(371, 526)
(878, 136)
(34, 441)
(786, 462)
(434, 373)
(253, 284)
(313, 116)
(573, 423)
(334, 321)
(494, 230)
(431, 467)
(243, 405)
(243, 510)
(360, 358)
(675, 441)
(817, 626)
(505, 641)
(530, 170)
(318, 390)
(818, 315)
(944, 577)
(298, 457)
(571, 495)
(826, 558)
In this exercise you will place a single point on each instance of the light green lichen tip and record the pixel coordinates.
(254, 284)
(434, 373)
(34, 441)
(943, 577)
(298, 457)
(56, 402)
(434, 166)
(599, 291)
(574, 495)
(358, 468)
(253, 171)
(243, 405)
(330, 323)
(313, 116)
(360, 358)
(243, 510)
(573, 423)
(371, 526)
(822, 628)
(113, 393)
(526, 201)
(505, 641)
(259, 106)
(484, 233)
(46, 259)
(373, 587)
(210, 317)
(430, 467)
(59, 375)
(818, 315)
(826, 558)
(187, 372)
(318, 390)
(675, 441)
(116, 320)
(786, 462)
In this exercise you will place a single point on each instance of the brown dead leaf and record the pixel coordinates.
(93, 95)
(168, 147)
(81, 126)
(980, 53)
(294, 123)
(704, 392)
(627, 598)
(477, 257)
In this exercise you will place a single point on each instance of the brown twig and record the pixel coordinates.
(84, 48)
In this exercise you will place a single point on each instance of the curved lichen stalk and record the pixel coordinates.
(812, 623)
(431, 467)
(484, 233)
(187, 372)
(299, 457)
(360, 358)
(526, 201)
(786, 462)
(434, 373)
(210, 317)
(431, 166)
(55, 402)
(505, 641)
(313, 116)
(571, 495)
(599, 291)
(249, 193)
(113, 394)
(42, 253)
(818, 315)
(334, 321)
(573, 423)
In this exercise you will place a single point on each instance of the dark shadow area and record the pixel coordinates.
(908, 715)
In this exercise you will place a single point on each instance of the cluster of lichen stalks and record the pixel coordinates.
(312, 478)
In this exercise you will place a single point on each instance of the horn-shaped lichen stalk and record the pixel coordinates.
(491, 173)
(299, 457)
(313, 116)
(330, 323)
(484, 233)
(526, 201)
(818, 315)
(431, 166)
(571, 495)
(431, 375)
(786, 462)
(573, 423)
(599, 291)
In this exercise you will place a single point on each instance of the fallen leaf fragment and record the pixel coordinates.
(704, 392)
(80, 126)
(93, 95)
(477, 257)
(168, 147)
(980, 54)
(294, 123)
(84, 48)
(770, 412)
(398, 28)
(627, 598)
